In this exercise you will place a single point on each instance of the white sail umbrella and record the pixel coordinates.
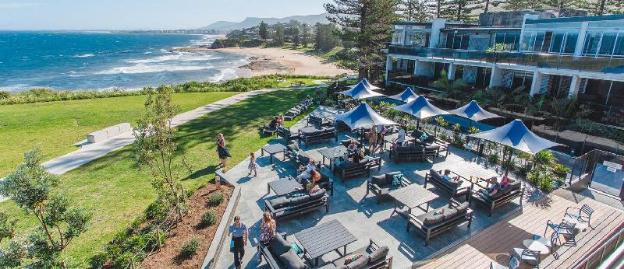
(363, 116)
(421, 109)
(516, 135)
(361, 91)
(406, 96)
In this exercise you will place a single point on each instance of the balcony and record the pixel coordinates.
(605, 65)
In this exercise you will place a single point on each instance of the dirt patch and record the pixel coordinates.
(188, 229)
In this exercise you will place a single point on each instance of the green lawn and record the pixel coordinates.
(116, 192)
(55, 127)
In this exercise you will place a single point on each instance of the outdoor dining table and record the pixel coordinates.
(538, 245)
(324, 238)
(284, 186)
(412, 196)
(332, 154)
(272, 149)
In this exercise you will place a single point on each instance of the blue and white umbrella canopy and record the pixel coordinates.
(369, 85)
(473, 111)
(361, 91)
(363, 116)
(406, 96)
(420, 108)
(516, 135)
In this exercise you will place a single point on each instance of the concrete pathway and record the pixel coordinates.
(90, 152)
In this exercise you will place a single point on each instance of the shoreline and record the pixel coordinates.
(268, 61)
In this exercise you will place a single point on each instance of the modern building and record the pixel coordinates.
(580, 57)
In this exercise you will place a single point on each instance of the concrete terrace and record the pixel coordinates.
(363, 216)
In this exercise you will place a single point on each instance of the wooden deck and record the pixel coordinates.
(496, 242)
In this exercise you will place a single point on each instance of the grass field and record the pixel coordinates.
(54, 127)
(116, 192)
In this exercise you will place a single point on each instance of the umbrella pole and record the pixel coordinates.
(417, 124)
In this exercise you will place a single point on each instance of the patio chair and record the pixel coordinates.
(581, 215)
(285, 133)
(563, 229)
(514, 263)
(527, 256)
(381, 185)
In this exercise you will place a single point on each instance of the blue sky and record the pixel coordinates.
(142, 14)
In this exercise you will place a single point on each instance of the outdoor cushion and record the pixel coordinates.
(279, 202)
(291, 260)
(361, 262)
(431, 218)
(461, 208)
(378, 254)
(449, 213)
(279, 245)
(293, 147)
(381, 181)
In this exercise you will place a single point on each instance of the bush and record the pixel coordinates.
(561, 170)
(209, 218)
(189, 249)
(494, 158)
(546, 184)
(158, 210)
(215, 198)
(4, 95)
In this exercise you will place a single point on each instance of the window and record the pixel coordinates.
(557, 43)
(619, 45)
(570, 43)
(539, 42)
(397, 38)
(591, 43)
(606, 46)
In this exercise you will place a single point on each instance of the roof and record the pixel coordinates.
(482, 29)
(577, 19)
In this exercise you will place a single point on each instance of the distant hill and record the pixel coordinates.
(227, 26)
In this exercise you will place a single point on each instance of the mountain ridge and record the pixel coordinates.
(227, 26)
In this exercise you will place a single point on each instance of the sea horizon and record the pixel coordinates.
(109, 59)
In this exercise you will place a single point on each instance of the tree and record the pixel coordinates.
(414, 10)
(325, 38)
(368, 23)
(30, 187)
(305, 35)
(460, 10)
(279, 35)
(296, 37)
(609, 7)
(155, 147)
(263, 31)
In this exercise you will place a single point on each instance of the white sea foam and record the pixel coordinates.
(225, 74)
(182, 57)
(147, 68)
(86, 55)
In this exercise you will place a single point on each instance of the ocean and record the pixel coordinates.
(105, 60)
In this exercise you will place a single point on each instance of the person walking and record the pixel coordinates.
(372, 140)
(238, 231)
(222, 151)
(252, 164)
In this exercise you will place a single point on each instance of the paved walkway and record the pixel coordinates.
(90, 152)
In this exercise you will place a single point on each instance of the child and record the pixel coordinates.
(252, 164)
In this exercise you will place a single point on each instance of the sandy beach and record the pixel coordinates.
(265, 61)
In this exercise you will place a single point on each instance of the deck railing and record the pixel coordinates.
(605, 256)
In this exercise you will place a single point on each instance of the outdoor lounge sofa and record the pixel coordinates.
(431, 141)
(372, 256)
(414, 153)
(457, 189)
(320, 121)
(295, 154)
(285, 133)
(278, 254)
(438, 221)
(296, 203)
(500, 198)
(319, 136)
(381, 185)
(349, 169)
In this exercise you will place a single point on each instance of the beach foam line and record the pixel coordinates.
(145, 68)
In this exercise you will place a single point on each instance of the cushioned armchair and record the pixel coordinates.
(278, 255)
(437, 221)
(296, 203)
(456, 188)
(369, 257)
(500, 198)
(381, 185)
